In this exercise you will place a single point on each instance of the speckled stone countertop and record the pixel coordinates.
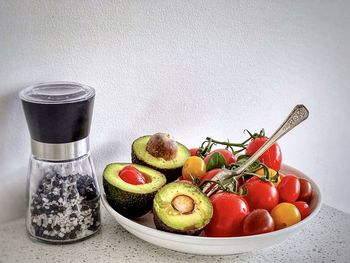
(325, 239)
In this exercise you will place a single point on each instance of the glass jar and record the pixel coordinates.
(63, 193)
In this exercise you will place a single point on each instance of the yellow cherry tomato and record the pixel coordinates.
(285, 214)
(194, 167)
(272, 174)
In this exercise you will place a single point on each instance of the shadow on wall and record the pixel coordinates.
(14, 154)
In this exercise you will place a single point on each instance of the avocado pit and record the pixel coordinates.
(181, 208)
(183, 204)
(162, 145)
(172, 169)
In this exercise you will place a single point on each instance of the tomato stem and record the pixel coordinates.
(256, 135)
(243, 144)
(209, 142)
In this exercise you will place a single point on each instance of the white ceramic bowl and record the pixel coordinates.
(144, 228)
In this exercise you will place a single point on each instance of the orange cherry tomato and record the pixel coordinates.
(194, 167)
(272, 173)
(285, 214)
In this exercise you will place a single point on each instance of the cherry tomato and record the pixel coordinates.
(229, 211)
(194, 167)
(271, 158)
(285, 214)
(131, 175)
(272, 173)
(182, 179)
(260, 172)
(130, 168)
(194, 151)
(229, 157)
(303, 208)
(257, 222)
(185, 182)
(210, 174)
(289, 189)
(261, 194)
(305, 190)
(281, 176)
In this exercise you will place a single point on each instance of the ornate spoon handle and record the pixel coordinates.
(297, 116)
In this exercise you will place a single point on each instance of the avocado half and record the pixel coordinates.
(127, 199)
(167, 203)
(171, 169)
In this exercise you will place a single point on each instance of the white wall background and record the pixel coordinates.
(196, 69)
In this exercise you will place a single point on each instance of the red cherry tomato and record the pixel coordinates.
(281, 178)
(180, 178)
(261, 194)
(194, 152)
(289, 189)
(229, 211)
(130, 168)
(272, 158)
(303, 208)
(210, 174)
(305, 190)
(257, 222)
(131, 175)
(185, 181)
(229, 157)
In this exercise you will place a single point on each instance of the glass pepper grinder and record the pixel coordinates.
(63, 196)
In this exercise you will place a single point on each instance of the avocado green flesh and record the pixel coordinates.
(163, 208)
(127, 199)
(154, 179)
(139, 150)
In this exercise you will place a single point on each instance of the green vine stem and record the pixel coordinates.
(209, 142)
(243, 144)
(232, 185)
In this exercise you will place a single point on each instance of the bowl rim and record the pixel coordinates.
(200, 239)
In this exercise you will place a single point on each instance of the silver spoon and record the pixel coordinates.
(297, 116)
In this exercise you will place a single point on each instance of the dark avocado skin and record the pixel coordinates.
(170, 174)
(161, 226)
(126, 203)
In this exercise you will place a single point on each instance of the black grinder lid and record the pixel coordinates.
(58, 112)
